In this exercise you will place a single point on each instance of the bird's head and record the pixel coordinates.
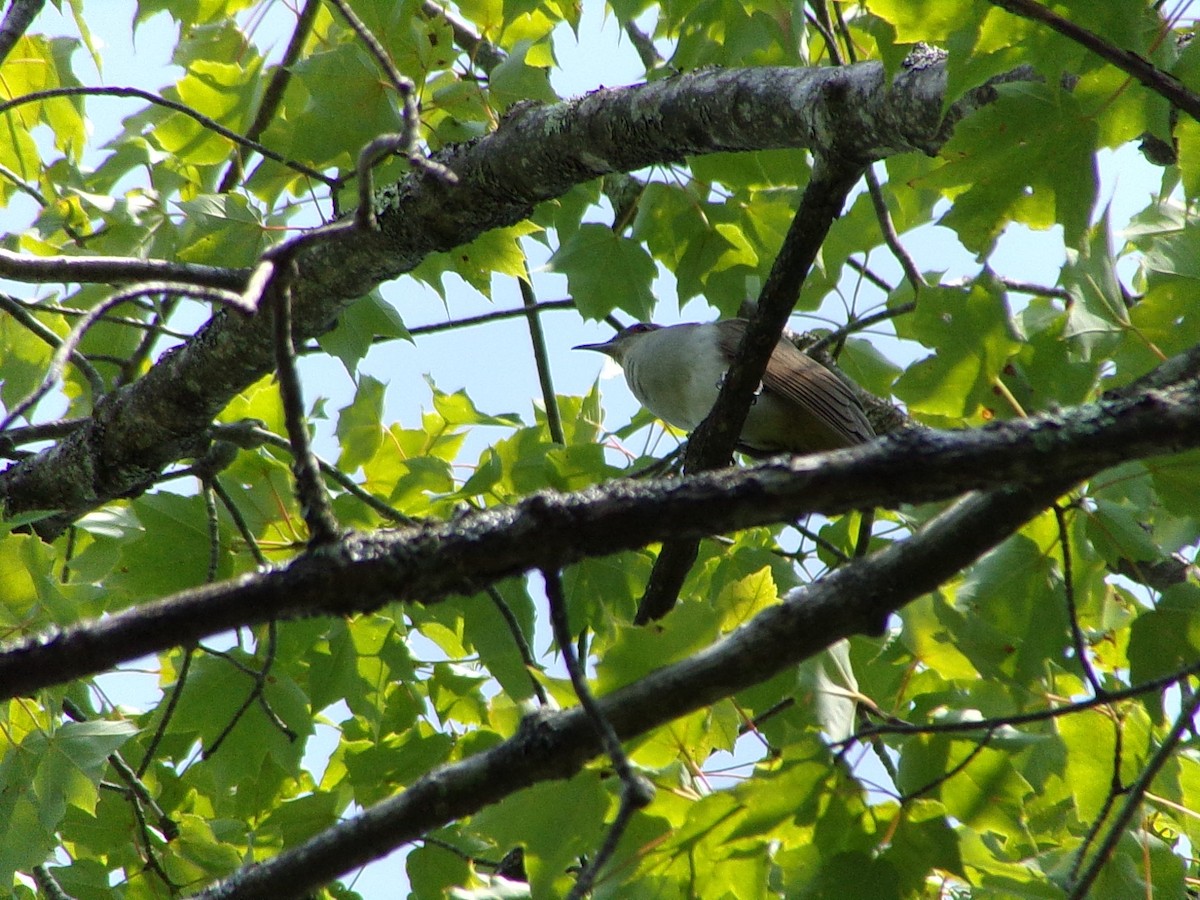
(622, 342)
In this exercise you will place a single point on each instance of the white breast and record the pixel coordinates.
(676, 373)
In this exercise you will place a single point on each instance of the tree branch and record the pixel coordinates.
(711, 445)
(1162, 83)
(556, 745)
(535, 155)
(549, 529)
(17, 20)
(115, 270)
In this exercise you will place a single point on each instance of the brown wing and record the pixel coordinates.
(800, 379)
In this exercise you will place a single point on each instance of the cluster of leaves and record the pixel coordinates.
(214, 773)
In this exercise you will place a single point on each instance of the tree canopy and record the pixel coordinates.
(531, 646)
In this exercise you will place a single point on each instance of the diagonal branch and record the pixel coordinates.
(549, 529)
(17, 20)
(535, 155)
(206, 121)
(272, 97)
(1149, 75)
(556, 745)
(711, 445)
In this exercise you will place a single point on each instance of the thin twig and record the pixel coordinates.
(141, 793)
(954, 770)
(1115, 789)
(485, 318)
(239, 522)
(518, 636)
(272, 97)
(115, 270)
(1139, 68)
(168, 712)
(839, 334)
(1037, 290)
(248, 435)
(896, 726)
(128, 321)
(874, 277)
(59, 360)
(209, 123)
(30, 322)
(542, 360)
(1072, 610)
(884, 216)
(257, 694)
(1133, 798)
(636, 791)
(318, 515)
(148, 855)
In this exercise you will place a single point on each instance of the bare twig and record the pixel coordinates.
(484, 318)
(141, 793)
(890, 237)
(209, 123)
(1139, 68)
(248, 435)
(542, 359)
(518, 636)
(272, 97)
(895, 726)
(1133, 798)
(168, 712)
(1037, 290)
(1077, 640)
(59, 360)
(1115, 789)
(257, 694)
(30, 322)
(310, 490)
(953, 770)
(239, 522)
(636, 791)
(115, 270)
(874, 277)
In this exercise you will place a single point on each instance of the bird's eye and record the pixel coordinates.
(639, 328)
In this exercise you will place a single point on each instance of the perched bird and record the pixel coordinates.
(676, 373)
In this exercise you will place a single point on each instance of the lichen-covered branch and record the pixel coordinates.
(536, 154)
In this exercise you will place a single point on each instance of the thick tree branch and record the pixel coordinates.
(549, 529)
(537, 154)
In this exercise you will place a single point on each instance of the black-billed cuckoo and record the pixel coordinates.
(676, 373)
